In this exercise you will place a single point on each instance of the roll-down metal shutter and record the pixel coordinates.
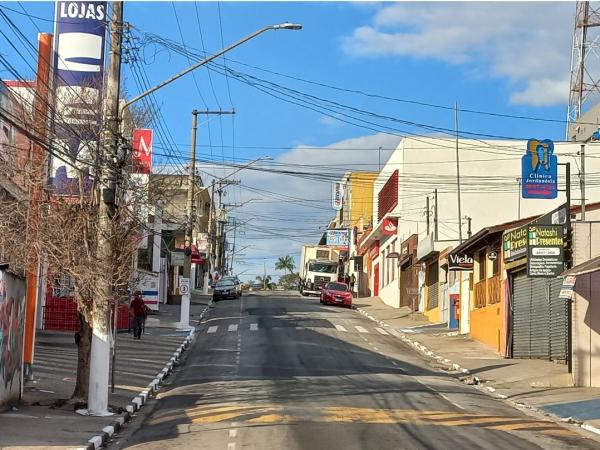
(432, 285)
(539, 319)
(521, 316)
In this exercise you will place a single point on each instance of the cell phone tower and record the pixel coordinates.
(584, 89)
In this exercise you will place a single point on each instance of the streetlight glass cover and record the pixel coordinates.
(287, 26)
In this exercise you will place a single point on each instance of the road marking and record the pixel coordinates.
(382, 331)
(233, 433)
(213, 329)
(231, 446)
(232, 327)
(360, 329)
(340, 328)
(253, 327)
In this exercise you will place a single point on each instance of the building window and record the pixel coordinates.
(481, 258)
(496, 264)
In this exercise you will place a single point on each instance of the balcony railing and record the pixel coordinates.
(488, 292)
(494, 290)
(480, 294)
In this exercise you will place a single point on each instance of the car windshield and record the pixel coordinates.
(337, 286)
(225, 283)
(322, 267)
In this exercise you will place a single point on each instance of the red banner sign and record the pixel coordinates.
(142, 151)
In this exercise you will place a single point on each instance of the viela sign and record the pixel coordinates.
(458, 262)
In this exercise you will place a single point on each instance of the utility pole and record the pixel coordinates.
(184, 310)
(379, 159)
(211, 237)
(519, 197)
(264, 274)
(427, 212)
(435, 215)
(458, 173)
(468, 226)
(40, 112)
(582, 181)
(100, 352)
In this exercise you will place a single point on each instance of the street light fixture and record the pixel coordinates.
(281, 26)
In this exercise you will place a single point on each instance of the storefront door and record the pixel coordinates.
(376, 281)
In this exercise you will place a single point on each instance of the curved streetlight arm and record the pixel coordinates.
(283, 26)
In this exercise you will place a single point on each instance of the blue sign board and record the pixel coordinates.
(79, 48)
(337, 238)
(539, 169)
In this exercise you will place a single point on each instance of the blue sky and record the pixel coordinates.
(428, 52)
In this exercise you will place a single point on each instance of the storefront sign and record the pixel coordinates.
(539, 170)
(514, 244)
(567, 288)
(337, 238)
(460, 262)
(545, 255)
(177, 258)
(337, 196)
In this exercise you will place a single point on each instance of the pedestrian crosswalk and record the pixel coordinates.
(346, 328)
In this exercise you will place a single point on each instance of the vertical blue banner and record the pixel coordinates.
(79, 47)
(539, 170)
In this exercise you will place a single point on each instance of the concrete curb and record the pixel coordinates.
(99, 440)
(489, 390)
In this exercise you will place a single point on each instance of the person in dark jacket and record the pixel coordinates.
(137, 309)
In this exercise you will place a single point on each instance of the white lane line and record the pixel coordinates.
(340, 328)
(232, 327)
(360, 329)
(382, 331)
(232, 433)
(231, 446)
(253, 327)
(213, 329)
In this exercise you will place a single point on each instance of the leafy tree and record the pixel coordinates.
(265, 282)
(290, 281)
(285, 263)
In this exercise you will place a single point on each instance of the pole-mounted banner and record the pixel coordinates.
(337, 196)
(79, 47)
(539, 168)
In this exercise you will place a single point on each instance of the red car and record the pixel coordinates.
(336, 293)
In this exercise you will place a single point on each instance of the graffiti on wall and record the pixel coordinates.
(12, 313)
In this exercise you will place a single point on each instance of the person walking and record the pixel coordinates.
(352, 283)
(137, 310)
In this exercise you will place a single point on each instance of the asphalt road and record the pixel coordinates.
(288, 373)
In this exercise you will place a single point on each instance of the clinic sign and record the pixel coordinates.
(337, 196)
(539, 170)
(79, 48)
(545, 251)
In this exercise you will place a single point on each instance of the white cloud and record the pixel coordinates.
(526, 43)
(303, 217)
(330, 122)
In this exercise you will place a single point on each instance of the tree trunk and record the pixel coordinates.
(83, 339)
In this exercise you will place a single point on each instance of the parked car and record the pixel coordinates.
(335, 293)
(237, 283)
(225, 288)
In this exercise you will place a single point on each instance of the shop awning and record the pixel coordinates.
(589, 266)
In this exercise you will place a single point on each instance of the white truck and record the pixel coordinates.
(318, 266)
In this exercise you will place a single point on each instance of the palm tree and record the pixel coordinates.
(285, 263)
(265, 282)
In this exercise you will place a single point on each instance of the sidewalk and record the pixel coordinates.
(40, 420)
(535, 384)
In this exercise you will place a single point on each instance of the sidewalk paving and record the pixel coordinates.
(38, 423)
(542, 385)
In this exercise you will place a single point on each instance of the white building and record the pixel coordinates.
(490, 190)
